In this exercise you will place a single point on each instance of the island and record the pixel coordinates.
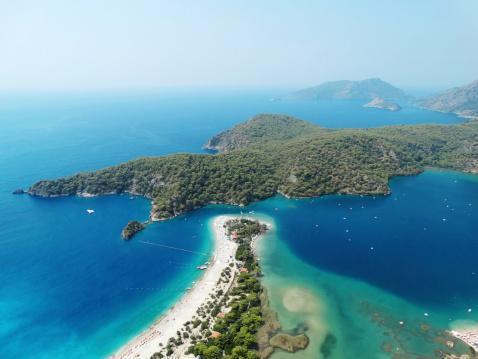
(462, 101)
(382, 104)
(364, 90)
(291, 157)
(131, 229)
(18, 191)
(376, 93)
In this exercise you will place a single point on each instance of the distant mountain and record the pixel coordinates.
(460, 100)
(365, 90)
(382, 104)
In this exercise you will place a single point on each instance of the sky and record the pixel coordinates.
(144, 44)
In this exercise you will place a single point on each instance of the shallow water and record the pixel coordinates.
(346, 318)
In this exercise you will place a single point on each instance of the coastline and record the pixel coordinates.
(149, 341)
(467, 332)
(468, 336)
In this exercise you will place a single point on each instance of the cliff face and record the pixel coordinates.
(462, 101)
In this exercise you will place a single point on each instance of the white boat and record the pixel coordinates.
(90, 211)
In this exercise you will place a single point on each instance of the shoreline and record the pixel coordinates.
(467, 332)
(148, 341)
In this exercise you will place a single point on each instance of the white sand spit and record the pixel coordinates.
(148, 342)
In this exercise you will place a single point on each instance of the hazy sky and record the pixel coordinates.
(94, 44)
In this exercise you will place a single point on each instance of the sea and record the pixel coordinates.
(364, 277)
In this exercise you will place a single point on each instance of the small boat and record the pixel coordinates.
(90, 211)
(203, 267)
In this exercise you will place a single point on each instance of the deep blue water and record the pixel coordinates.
(70, 286)
(419, 243)
(69, 281)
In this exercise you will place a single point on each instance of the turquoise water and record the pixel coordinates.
(72, 288)
(366, 264)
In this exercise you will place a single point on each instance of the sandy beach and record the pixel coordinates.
(467, 334)
(149, 341)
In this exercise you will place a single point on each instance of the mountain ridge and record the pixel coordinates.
(365, 90)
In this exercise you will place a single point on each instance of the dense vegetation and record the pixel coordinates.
(244, 230)
(260, 129)
(131, 229)
(311, 163)
(238, 327)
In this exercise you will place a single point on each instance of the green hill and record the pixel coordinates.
(297, 158)
(260, 129)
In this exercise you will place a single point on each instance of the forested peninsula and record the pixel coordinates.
(272, 154)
